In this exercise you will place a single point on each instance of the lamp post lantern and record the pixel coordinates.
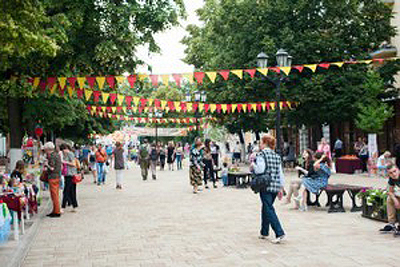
(199, 96)
(283, 59)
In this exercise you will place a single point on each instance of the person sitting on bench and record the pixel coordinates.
(393, 200)
(319, 180)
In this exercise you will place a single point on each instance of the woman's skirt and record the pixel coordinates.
(195, 176)
(315, 184)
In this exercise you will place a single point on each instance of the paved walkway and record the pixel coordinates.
(161, 223)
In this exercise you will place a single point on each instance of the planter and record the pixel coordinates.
(374, 212)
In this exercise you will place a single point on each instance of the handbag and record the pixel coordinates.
(77, 178)
(260, 181)
(44, 177)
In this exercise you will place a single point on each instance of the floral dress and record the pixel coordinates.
(318, 180)
(196, 164)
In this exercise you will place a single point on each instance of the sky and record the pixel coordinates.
(172, 51)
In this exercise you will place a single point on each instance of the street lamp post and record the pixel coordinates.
(157, 114)
(283, 60)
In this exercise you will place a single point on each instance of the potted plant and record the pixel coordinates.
(374, 203)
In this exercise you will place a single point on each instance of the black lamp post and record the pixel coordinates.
(198, 97)
(157, 115)
(283, 60)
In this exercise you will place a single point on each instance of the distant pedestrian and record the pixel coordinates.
(325, 148)
(179, 156)
(162, 156)
(208, 164)
(237, 153)
(154, 155)
(119, 164)
(101, 158)
(196, 165)
(215, 153)
(171, 156)
(53, 169)
(92, 163)
(144, 159)
(224, 174)
(69, 192)
(338, 148)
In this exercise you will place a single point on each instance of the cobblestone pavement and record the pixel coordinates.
(161, 223)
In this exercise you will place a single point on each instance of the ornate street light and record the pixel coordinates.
(197, 96)
(262, 60)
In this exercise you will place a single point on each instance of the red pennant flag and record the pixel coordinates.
(89, 108)
(79, 93)
(219, 108)
(132, 80)
(112, 98)
(119, 109)
(187, 120)
(171, 105)
(96, 96)
(267, 106)
(143, 102)
(114, 116)
(71, 81)
(229, 108)
(61, 91)
(276, 69)
(252, 72)
(128, 100)
(91, 81)
(154, 80)
(249, 107)
(111, 81)
(379, 60)
(206, 107)
(174, 120)
(109, 109)
(195, 106)
(42, 86)
(30, 80)
(199, 77)
(98, 109)
(157, 103)
(51, 81)
(224, 74)
(239, 107)
(177, 78)
(183, 107)
(259, 107)
(324, 65)
(299, 68)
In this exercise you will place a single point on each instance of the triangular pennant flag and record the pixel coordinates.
(224, 107)
(339, 64)
(224, 74)
(110, 81)
(72, 81)
(212, 75)
(113, 97)
(177, 78)
(51, 81)
(219, 107)
(79, 93)
(243, 107)
(189, 107)
(154, 80)
(143, 102)
(213, 107)
(312, 67)
(263, 71)
(70, 91)
(53, 88)
(136, 100)
(134, 109)
(101, 81)
(163, 103)
(105, 97)
(286, 70)
(120, 99)
(103, 109)
(276, 69)
(239, 107)
(252, 72)
(132, 80)
(36, 82)
(177, 106)
(62, 81)
(234, 107)
(365, 61)
(238, 73)
(114, 109)
(299, 68)
(142, 76)
(199, 77)
(165, 79)
(259, 107)
(254, 107)
(120, 79)
(150, 101)
(128, 101)
(81, 82)
(189, 77)
(88, 94)
(96, 96)
(324, 65)
(91, 81)
(119, 109)
(272, 105)
(124, 109)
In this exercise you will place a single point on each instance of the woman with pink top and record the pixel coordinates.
(325, 148)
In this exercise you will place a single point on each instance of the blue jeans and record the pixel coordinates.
(268, 215)
(101, 175)
(225, 180)
(179, 162)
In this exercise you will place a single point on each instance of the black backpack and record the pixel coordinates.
(260, 182)
(153, 154)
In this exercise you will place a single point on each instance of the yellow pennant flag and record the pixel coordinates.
(289, 104)
(188, 76)
(312, 67)
(286, 70)
(88, 94)
(113, 109)
(124, 109)
(212, 76)
(81, 82)
(69, 90)
(238, 73)
(53, 89)
(201, 107)
(120, 99)
(165, 79)
(120, 79)
(62, 81)
(213, 107)
(101, 81)
(244, 108)
(272, 105)
(150, 101)
(134, 109)
(365, 61)
(254, 107)
(136, 100)
(263, 71)
(189, 107)
(234, 107)
(105, 97)
(224, 107)
(177, 106)
(339, 64)
(103, 109)
(126, 118)
(281, 105)
(163, 103)
(142, 76)
(36, 82)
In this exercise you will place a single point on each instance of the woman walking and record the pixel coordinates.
(92, 163)
(196, 164)
(268, 161)
(53, 168)
(179, 155)
(171, 156)
(69, 193)
(119, 164)
(208, 164)
(162, 156)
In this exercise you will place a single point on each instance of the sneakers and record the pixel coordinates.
(303, 208)
(263, 237)
(397, 231)
(389, 228)
(278, 240)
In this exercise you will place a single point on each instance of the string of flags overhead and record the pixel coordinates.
(113, 82)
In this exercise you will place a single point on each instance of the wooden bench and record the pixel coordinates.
(335, 197)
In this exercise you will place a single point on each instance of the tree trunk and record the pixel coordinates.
(258, 136)
(243, 150)
(16, 129)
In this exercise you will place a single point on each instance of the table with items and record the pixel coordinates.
(348, 164)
